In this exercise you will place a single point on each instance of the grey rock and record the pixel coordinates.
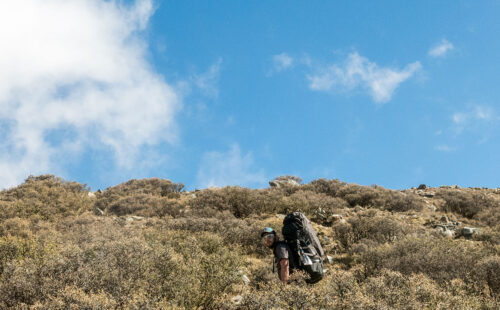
(134, 218)
(329, 259)
(468, 231)
(237, 299)
(245, 279)
(280, 216)
(282, 183)
(448, 233)
(98, 211)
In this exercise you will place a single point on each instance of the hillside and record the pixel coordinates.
(148, 244)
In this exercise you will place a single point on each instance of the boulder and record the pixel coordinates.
(448, 233)
(245, 279)
(134, 218)
(433, 208)
(329, 259)
(336, 218)
(467, 232)
(422, 186)
(281, 183)
(237, 299)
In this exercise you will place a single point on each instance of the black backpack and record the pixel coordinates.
(304, 245)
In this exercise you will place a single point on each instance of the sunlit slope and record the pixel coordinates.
(149, 244)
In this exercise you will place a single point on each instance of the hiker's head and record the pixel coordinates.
(268, 236)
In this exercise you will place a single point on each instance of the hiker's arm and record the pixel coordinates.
(284, 270)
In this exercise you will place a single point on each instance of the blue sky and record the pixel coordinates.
(238, 92)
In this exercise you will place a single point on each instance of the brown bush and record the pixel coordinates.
(467, 203)
(380, 227)
(120, 267)
(440, 259)
(44, 197)
(367, 196)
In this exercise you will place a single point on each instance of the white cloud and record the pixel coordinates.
(358, 71)
(445, 148)
(282, 62)
(207, 81)
(229, 168)
(78, 69)
(476, 113)
(441, 49)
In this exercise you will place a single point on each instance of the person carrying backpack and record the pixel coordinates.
(283, 258)
(301, 248)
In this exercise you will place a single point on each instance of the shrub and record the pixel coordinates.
(45, 197)
(380, 227)
(466, 203)
(440, 259)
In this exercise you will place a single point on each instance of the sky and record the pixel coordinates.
(215, 93)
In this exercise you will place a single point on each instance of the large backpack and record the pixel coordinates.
(304, 245)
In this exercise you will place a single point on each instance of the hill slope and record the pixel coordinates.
(148, 244)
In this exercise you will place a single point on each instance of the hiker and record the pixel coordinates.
(283, 258)
(301, 248)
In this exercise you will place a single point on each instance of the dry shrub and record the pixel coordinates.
(344, 290)
(44, 197)
(317, 206)
(440, 259)
(379, 227)
(241, 202)
(487, 273)
(146, 197)
(367, 196)
(145, 205)
(104, 263)
(468, 203)
(241, 232)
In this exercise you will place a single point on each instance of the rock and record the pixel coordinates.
(245, 279)
(237, 299)
(337, 218)
(448, 233)
(91, 195)
(329, 259)
(98, 211)
(433, 208)
(429, 194)
(282, 183)
(134, 218)
(280, 216)
(467, 232)
(422, 186)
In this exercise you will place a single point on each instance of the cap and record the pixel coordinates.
(267, 230)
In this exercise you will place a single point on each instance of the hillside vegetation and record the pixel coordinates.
(148, 244)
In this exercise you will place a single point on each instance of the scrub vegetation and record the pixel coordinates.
(149, 244)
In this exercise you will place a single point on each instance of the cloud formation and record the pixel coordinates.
(441, 49)
(229, 168)
(207, 81)
(282, 62)
(476, 113)
(74, 76)
(445, 148)
(359, 72)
